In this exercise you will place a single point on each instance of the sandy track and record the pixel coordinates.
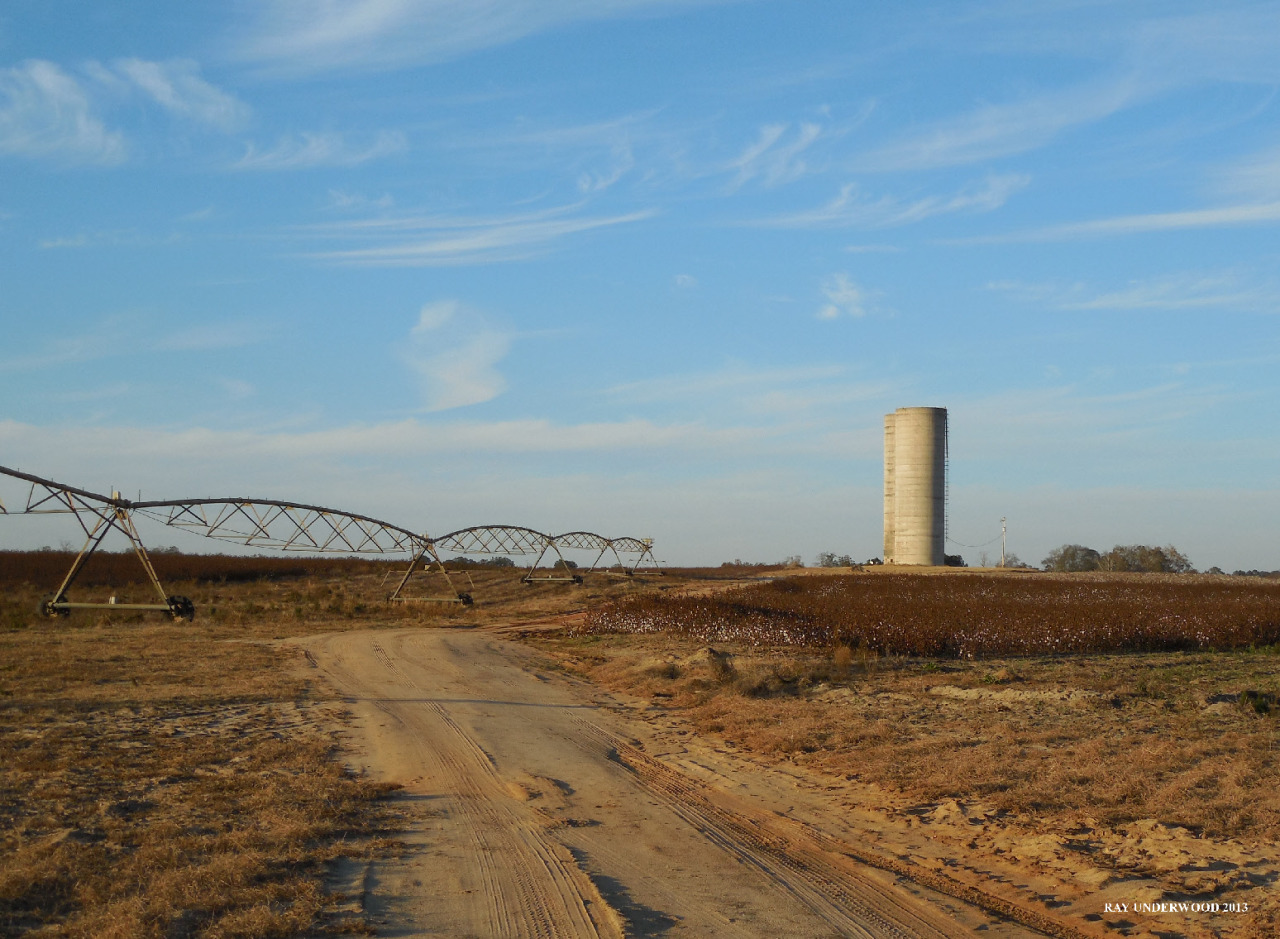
(531, 811)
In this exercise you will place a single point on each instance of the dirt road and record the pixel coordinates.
(533, 809)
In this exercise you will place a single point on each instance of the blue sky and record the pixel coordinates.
(651, 267)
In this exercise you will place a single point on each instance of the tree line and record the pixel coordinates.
(1133, 557)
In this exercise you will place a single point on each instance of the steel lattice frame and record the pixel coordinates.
(263, 523)
(108, 513)
(585, 541)
(293, 526)
(642, 548)
(510, 540)
(285, 526)
(518, 540)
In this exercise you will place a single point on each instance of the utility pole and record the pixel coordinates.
(1002, 533)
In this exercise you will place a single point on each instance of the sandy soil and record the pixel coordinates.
(535, 805)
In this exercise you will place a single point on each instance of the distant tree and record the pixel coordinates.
(1012, 560)
(953, 560)
(1175, 562)
(793, 560)
(831, 559)
(1071, 558)
(1146, 558)
(1215, 570)
(464, 561)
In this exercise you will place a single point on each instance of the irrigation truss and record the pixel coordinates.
(313, 529)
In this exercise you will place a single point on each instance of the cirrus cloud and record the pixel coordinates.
(48, 111)
(306, 150)
(44, 111)
(308, 36)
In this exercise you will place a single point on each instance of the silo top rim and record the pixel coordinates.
(901, 410)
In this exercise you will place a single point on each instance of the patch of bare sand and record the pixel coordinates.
(982, 743)
(534, 806)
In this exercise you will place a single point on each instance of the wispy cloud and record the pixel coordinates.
(94, 395)
(408, 438)
(417, 241)
(1256, 177)
(594, 155)
(852, 209)
(613, 136)
(178, 87)
(455, 354)
(622, 162)
(844, 298)
(730, 379)
(209, 336)
(1070, 416)
(1179, 292)
(872, 249)
(774, 158)
(46, 112)
(1219, 44)
(305, 36)
(110, 239)
(338, 199)
(118, 336)
(780, 399)
(307, 150)
(999, 130)
(1257, 213)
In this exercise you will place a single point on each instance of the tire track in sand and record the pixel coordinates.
(862, 909)
(617, 839)
(818, 873)
(537, 891)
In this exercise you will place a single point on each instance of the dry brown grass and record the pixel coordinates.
(161, 779)
(1176, 737)
(1093, 749)
(175, 779)
(160, 782)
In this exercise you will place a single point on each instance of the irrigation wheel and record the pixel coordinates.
(46, 607)
(181, 608)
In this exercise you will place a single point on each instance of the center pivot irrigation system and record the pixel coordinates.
(313, 529)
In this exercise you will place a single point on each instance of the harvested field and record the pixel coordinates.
(1103, 768)
(162, 779)
(184, 779)
(161, 782)
(969, 616)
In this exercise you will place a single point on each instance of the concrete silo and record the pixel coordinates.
(915, 486)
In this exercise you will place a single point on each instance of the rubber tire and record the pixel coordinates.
(181, 608)
(46, 607)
